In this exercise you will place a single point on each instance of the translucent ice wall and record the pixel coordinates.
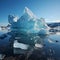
(28, 23)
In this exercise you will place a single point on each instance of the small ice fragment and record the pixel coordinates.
(20, 45)
(38, 45)
(50, 41)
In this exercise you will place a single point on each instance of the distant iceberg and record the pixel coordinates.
(28, 23)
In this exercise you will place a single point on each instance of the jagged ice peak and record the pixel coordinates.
(29, 12)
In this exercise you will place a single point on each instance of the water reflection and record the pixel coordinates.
(31, 46)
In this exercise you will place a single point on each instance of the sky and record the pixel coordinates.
(48, 9)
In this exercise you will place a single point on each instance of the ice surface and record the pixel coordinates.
(29, 12)
(50, 41)
(20, 45)
(12, 19)
(28, 23)
(38, 45)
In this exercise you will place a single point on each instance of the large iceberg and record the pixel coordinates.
(28, 23)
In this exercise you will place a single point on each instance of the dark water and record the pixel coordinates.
(50, 49)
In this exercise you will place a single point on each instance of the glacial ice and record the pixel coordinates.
(38, 45)
(28, 23)
(20, 45)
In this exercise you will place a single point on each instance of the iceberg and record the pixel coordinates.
(28, 23)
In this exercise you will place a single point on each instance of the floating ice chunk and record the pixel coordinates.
(58, 33)
(38, 45)
(28, 23)
(50, 41)
(20, 45)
